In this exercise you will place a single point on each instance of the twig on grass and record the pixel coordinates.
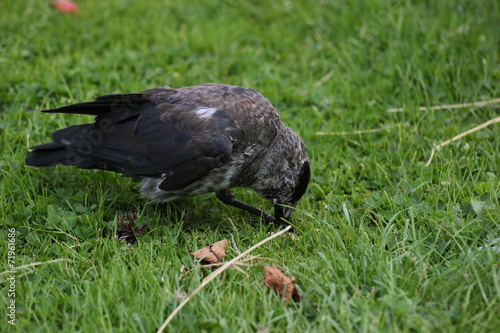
(28, 266)
(242, 262)
(461, 135)
(215, 274)
(235, 265)
(451, 106)
(322, 80)
(384, 128)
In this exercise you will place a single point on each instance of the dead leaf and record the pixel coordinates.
(129, 232)
(211, 254)
(65, 6)
(274, 278)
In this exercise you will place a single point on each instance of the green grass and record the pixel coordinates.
(383, 243)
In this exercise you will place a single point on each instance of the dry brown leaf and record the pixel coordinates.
(211, 254)
(274, 278)
(216, 273)
(129, 232)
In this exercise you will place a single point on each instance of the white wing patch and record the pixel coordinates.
(205, 112)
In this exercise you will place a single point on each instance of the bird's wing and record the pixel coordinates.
(133, 135)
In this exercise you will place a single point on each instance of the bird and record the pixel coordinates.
(178, 143)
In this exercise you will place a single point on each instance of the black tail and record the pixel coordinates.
(82, 145)
(107, 103)
(56, 152)
(47, 156)
(113, 141)
(110, 143)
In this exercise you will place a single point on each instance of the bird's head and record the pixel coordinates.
(283, 174)
(295, 185)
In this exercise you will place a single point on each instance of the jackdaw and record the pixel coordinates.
(184, 142)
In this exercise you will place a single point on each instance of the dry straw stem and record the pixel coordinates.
(461, 135)
(384, 128)
(215, 274)
(28, 266)
(235, 266)
(318, 83)
(451, 106)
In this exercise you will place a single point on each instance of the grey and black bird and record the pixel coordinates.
(183, 142)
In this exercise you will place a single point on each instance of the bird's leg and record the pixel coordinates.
(227, 197)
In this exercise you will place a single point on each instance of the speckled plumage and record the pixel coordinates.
(184, 142)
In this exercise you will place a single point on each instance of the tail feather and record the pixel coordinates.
(103, 104)
(58, 151)
(85, 146)
(112, 142)
(49, 154)
(65, 150)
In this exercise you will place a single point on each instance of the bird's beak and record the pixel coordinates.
(282, 213)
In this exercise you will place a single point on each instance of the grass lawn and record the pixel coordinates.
(382, 242)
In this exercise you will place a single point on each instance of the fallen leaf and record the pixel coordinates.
(274, 278)
(65, 6)
(211, 254)
(129, 232)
